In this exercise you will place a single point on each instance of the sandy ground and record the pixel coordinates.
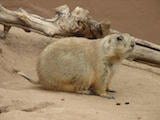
(20, 100)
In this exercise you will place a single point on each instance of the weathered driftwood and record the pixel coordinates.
(144, 54)
(65, 23)
(73, 23)
(139, 66)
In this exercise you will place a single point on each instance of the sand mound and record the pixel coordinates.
(20, 100)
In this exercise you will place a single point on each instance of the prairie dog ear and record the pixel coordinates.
(105, 27)
(126, 34)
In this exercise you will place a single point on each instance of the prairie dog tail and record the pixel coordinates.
(26, 77)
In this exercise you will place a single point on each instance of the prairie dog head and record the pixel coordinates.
(118, 45)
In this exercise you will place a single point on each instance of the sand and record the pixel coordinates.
(20, 100)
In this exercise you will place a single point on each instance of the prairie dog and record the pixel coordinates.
(81, 65)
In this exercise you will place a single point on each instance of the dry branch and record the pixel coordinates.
(139, 66)
(73, 23)
(65, 23)
(144, 54)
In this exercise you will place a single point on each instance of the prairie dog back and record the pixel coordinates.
(73, 61)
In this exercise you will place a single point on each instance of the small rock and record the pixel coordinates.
(1, 51)
(62, 99)
(118, 103)
(139, 118)
(4, 109)
(127, 103)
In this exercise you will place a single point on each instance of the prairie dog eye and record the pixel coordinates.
(120, 38)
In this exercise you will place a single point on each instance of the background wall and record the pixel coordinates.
(140, 18)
